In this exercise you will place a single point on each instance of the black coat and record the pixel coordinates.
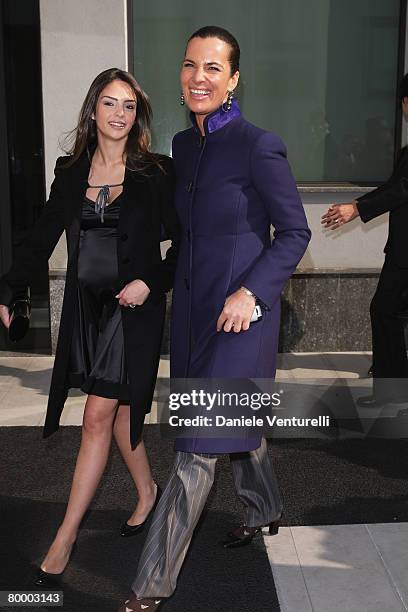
(391, 197)
(146, 207)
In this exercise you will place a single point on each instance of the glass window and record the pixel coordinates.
(321, 73)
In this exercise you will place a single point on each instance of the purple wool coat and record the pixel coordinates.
(232, 185)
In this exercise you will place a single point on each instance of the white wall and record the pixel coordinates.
(79, 39)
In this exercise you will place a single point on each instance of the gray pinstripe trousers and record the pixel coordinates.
(182, 502)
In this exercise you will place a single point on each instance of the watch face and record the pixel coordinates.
(257, 314)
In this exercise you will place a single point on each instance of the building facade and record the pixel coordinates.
(322, 74)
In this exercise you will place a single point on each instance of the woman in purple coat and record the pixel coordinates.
(233, 183)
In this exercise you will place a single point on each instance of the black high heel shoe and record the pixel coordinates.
(46, 580)
(19, 319)
(126, 531)
(243, 535)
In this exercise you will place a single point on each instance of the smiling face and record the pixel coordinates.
(115, 111)
(206, 75)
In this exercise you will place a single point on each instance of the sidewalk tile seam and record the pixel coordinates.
(301, 570)
(393, 583)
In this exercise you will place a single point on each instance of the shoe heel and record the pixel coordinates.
(274, 527)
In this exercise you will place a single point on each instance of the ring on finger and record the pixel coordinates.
(132, 305)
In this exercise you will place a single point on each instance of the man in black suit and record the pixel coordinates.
(390, 363)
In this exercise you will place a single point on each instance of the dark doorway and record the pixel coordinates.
(21, 155)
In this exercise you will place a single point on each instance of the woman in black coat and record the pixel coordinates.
(113, 197)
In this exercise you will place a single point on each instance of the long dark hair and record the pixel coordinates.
(83, 138)
(227, 37)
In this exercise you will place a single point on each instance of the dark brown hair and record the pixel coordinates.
(227, 37)
(83, 138)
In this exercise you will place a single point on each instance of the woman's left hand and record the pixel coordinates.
(134, 293)
(237, 312)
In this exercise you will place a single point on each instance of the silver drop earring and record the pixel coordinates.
(229, 100)
(182, 101)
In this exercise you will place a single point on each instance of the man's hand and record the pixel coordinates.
(339, 214)
(5, 315)
(133, 294)
(237, 312)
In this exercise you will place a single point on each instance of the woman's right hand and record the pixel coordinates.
(5, 315)
(339, 214)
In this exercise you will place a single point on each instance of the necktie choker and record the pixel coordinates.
(102, 199)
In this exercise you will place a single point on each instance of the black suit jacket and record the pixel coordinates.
(146, 207)
(391, 197)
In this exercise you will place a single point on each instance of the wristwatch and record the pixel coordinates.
(248, 292)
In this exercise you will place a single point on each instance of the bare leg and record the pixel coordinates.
(138, 466)
(91, 461)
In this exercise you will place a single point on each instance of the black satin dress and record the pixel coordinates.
(97, 360)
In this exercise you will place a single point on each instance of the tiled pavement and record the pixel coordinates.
(353, 568)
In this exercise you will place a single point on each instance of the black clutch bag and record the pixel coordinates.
(19, 319)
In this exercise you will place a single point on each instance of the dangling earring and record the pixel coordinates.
(228, 102)
(182, 101)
